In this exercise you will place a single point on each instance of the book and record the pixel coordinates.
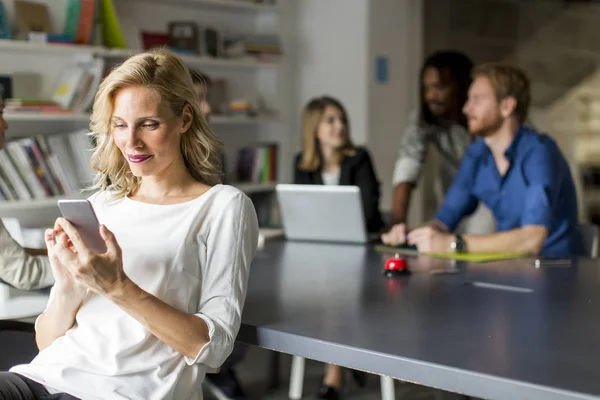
(86, 21)
(257, 164)
(45, 166)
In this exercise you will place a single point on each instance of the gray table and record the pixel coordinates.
(538, 338)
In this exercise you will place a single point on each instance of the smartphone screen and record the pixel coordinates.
(80, 213)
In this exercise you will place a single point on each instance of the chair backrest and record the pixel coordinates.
(589, 232)
(18, 343)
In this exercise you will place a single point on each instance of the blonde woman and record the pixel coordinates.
(329, 158)
(148, 318)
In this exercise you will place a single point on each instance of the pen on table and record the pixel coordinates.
(538, 262)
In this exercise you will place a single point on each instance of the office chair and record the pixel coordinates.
(590, 233)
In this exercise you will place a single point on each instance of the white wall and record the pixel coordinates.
(394, 32)
(338, 41)
(332, 40)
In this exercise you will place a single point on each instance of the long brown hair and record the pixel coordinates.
(166, 74)
(312, 158)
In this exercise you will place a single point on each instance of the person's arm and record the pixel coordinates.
(407, 169)
(208, 336)
(459, 201)
(25, 269)
(401, 201)
(58, 318)
(231, 247)
(66, 295)
(540, 170)
(526, 240)
(366, 180)
(300, 177)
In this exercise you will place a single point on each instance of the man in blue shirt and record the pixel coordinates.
(518, 173)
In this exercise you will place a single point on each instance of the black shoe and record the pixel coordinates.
(360, 378)
(225, 386)
(328, 392)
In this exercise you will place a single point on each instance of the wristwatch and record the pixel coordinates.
(458, 244)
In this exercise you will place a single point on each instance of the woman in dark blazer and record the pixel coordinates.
(328, 157)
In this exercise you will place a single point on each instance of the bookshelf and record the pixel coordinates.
(225, 5)
(192, 61)
(26, 124)
(23, 125)
(249, 78)
(19, 46)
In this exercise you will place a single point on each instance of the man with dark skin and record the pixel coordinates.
(445, 79)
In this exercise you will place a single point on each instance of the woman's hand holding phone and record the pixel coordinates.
(101, 273)
(65, 282)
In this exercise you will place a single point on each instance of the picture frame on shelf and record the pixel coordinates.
(32, 17)
(5, 87)
(212, 43)
(184, 37)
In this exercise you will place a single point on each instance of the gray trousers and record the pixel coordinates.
(481, 222)
(17, 387)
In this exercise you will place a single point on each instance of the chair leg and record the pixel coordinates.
(297, 378)
(388, 391)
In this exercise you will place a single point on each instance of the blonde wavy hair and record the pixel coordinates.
(165, 73)
(312, 159)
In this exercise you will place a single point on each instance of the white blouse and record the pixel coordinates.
(331, 178)
(195, 256)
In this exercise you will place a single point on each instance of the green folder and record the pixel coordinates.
(477, 257)
(470, 257)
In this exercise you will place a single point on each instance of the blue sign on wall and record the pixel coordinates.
(381, 69)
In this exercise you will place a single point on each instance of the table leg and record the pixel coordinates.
(388, 391)
(297, 378)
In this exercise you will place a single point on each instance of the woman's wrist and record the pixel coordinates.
(123, 290)
(69, 296)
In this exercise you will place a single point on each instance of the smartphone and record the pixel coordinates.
(80, 213)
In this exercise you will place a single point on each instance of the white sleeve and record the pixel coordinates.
(230, 248)
(412, 154)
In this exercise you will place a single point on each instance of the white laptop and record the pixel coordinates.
(322, 213)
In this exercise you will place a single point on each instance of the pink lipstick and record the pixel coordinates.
(138, 158)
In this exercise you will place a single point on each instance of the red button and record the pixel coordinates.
(395, 264)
